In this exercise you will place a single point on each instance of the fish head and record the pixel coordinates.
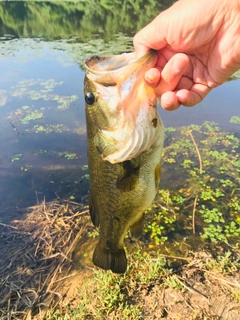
(120, 108)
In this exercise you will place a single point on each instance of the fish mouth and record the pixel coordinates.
(102, 65)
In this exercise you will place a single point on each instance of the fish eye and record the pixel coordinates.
(89, 98)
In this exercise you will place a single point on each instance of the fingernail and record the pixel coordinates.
(152, 75)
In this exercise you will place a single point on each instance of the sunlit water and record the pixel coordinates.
(42, 123)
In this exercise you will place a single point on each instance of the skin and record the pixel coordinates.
(198, 45)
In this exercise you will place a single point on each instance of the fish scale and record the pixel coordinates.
(124, 169)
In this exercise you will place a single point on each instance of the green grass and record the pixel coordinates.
(108, 296)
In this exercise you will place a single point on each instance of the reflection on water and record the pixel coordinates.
(84, 20)
(42, 123)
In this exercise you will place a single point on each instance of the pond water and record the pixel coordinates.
(42, 124)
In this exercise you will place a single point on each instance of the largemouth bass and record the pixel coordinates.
(125, 140)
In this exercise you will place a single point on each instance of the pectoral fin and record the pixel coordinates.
(93, 210)
(157, 175)
(136, 229)
(128, 178)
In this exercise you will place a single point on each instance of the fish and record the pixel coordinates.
(125, 137)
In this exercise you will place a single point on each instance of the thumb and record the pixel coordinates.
(150, 37)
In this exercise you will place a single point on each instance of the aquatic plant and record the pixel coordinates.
(235, 119)
(206, 189)
(16, 157)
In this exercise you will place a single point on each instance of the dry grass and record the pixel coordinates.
(39, 280)
(36, 255)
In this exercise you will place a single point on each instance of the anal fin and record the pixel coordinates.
(136, 229)
(106, 259)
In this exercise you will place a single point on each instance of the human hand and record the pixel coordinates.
(198, 45)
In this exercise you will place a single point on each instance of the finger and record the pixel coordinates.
(152, 77)
(172, 73)
(169, 101)
(172, 100)
(184, 83)
(150, 37)
(193, 96)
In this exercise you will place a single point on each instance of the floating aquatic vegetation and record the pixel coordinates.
(40, 90)
(65, 101)
(25, 114)
(44, 90)
(235, 119)
(41, 151)
(26, 168)
(42, 87)
(36, 95)
(16, 157)
(205, 195)
(32, 116)
(64, 51)
(86, 176)
(48, 128)
(50, 84)
(70, 156)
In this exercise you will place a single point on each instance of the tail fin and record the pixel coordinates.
(110, 260)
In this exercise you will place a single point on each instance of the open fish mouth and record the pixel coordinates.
(128, 104)
(104, 64)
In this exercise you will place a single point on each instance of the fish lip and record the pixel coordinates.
(113, 63)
